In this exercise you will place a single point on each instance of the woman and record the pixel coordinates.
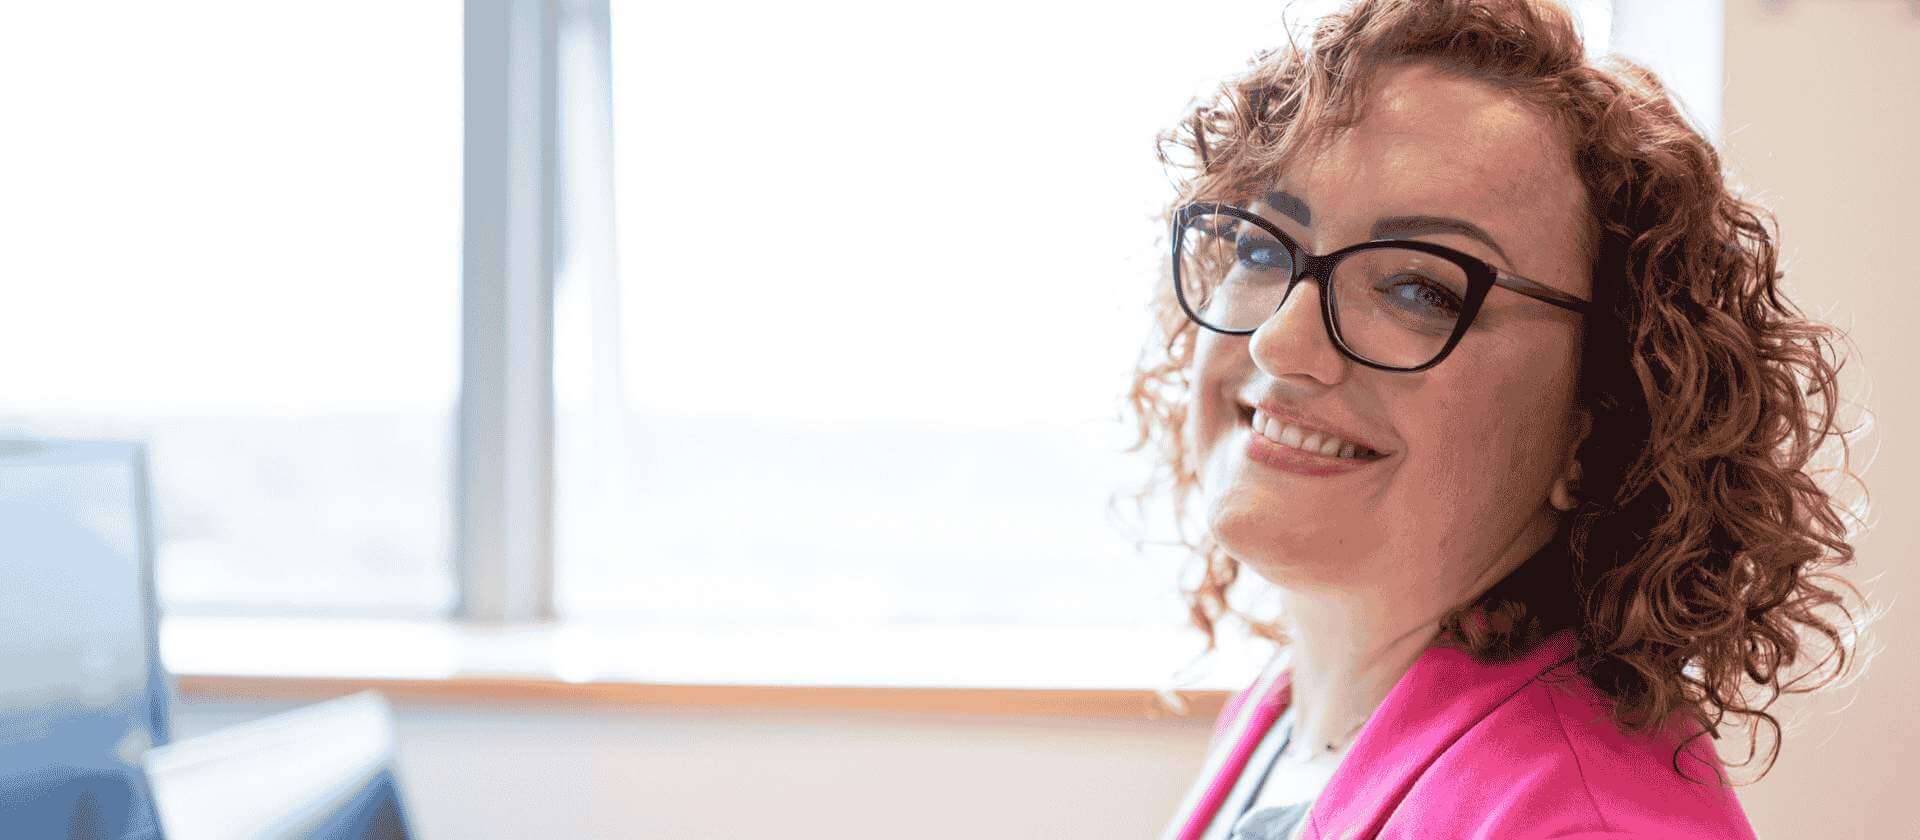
(1529, 470)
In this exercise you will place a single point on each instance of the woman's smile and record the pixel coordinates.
(1303, 450)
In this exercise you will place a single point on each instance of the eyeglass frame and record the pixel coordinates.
(1481, 277)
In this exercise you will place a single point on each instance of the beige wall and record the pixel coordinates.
(1822, 122)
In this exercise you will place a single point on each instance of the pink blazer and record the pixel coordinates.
(1460, 749)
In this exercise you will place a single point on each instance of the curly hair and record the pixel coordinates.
(1700, 553)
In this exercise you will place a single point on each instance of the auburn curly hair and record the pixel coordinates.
(1699, 555)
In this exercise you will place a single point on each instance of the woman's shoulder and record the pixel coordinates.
(1550, 761)
(1520, 748)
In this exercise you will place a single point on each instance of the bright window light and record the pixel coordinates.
(234, 228)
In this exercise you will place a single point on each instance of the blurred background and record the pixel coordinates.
(675, 406)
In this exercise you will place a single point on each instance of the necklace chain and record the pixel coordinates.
(1302, 757)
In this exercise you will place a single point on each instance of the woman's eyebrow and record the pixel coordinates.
(1291, 206)
(1392, 226)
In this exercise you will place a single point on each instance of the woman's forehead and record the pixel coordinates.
(1359, 179)
(1428, 137)
(1430, 143)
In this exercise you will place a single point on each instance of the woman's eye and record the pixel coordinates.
(1421, 293)
(1262, 254)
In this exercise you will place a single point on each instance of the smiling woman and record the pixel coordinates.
(1468, 349)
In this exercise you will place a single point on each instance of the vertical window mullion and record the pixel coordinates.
(1685, 45)
(504, 487)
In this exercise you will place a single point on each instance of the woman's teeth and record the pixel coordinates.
(1307, 440)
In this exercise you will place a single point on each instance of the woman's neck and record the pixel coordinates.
(1344, 662)
(1352, 644)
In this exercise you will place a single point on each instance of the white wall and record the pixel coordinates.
(527, 771)
(1821, 117)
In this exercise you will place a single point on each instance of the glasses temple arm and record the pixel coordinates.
(1540, 291)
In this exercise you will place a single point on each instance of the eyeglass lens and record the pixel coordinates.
(1393, 306)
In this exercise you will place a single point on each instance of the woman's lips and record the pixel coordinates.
(1300, 462)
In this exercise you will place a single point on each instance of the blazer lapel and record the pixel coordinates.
(1443, 695)
(1227, 760)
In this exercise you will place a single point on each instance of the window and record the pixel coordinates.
(882, 274)
(880, 281)
(234, 228)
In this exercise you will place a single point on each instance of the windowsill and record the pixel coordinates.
(1078, 672)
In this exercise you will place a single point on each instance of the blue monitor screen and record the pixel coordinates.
(82, 697)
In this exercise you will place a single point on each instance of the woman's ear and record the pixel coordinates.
(1566, 488)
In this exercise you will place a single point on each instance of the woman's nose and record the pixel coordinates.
(1294, 339)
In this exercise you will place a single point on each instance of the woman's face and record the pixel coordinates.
(1471, 446)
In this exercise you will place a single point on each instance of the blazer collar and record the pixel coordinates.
(1442, 695)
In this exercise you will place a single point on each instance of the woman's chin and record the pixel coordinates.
(1281, 545)
(1260, 507)
(1303, 545)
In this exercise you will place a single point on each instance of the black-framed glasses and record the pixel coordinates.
(1391, 304)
